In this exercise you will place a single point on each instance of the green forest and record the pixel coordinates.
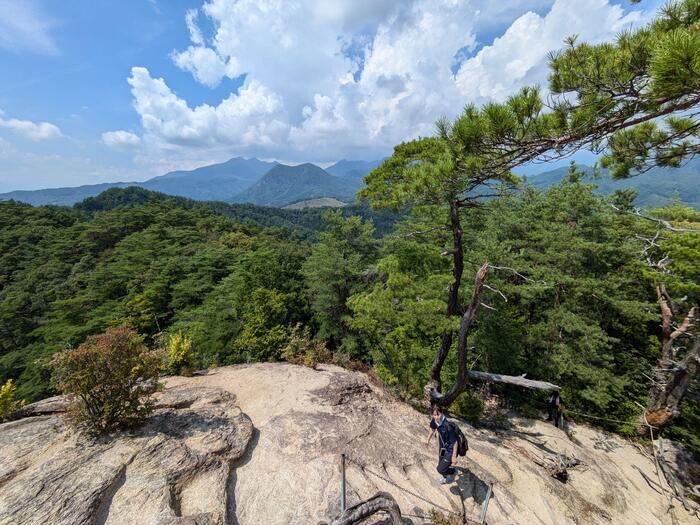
(456, 257)
(585, 317)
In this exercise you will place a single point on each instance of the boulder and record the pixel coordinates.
(175, 469)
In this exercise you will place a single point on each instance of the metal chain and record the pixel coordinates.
(407, 491)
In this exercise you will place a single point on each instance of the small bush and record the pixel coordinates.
(180, 355)
(110, 378)
(385, 375)
(302, 350)
(469, 406)
(494, 416)
(439, 518)
(8, 403)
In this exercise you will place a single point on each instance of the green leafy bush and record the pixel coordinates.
(110, 378)
(302, 350)
(469, 406)
(440, 518)
(8, 403)
(180, 355)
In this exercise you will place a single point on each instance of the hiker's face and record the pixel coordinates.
(436, 416)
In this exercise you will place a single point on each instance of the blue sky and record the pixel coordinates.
(99, 90)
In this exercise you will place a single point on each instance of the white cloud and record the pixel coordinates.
(29, 129)
(23, 26)
(206, 66)
(120, 139)
(252, 118)
(519, 56)
(191, 21)
(352, 77)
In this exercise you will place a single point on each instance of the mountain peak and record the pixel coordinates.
(285, 184)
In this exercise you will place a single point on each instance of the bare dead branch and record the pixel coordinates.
(666, 224)
(512, 380)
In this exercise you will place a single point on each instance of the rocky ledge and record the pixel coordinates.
(175, 469)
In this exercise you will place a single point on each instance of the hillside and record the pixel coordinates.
(153, 260)
(657, 187)
(214, 182)
(304, 220)
(353, 169)
(236, 444)
(284, 185)
(62, 196)
(322, 202)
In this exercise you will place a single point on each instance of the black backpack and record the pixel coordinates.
(462, 443)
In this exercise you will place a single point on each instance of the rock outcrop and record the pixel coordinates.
(176, 469)
(198, 460)
(306, 418)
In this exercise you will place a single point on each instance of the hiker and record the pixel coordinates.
(553, 407)
(448, 441)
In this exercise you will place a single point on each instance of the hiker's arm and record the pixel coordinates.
(430, 435)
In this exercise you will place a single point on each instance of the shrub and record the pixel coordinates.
(8, 403)
(469, 406)
(110, 378)
(439, 518)
(180, 355)
(302, 350)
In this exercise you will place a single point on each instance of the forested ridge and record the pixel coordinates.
(458, 267)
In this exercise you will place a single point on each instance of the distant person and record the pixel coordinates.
(554, 407)
(448, 441)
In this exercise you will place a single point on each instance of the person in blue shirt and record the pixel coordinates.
(447, 439)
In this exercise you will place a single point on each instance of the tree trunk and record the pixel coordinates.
(462, 379)
(665, 404)
(670, 379)
(382, 501)
(452, 295)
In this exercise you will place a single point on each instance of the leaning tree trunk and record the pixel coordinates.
(452, 295)
(671, 378)
(464, 375)
(462, 380)
(433, 389)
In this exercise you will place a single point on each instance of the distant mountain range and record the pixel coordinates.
(273, 184)
(220, 182)
(236, 180)
(656, 187)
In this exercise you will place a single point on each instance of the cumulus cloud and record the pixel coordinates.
(251, 118)
(120, 139)
(23, 26)
(519, 56)
(206, 66)
(29, 129)
(351, 78)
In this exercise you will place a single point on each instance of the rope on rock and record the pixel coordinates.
(461, 515)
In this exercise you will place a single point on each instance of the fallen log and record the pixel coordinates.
(381, 501)
(558, 468)
(511, 380)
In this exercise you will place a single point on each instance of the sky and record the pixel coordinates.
(95, 90)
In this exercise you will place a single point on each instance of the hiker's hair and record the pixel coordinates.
(437, 408)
